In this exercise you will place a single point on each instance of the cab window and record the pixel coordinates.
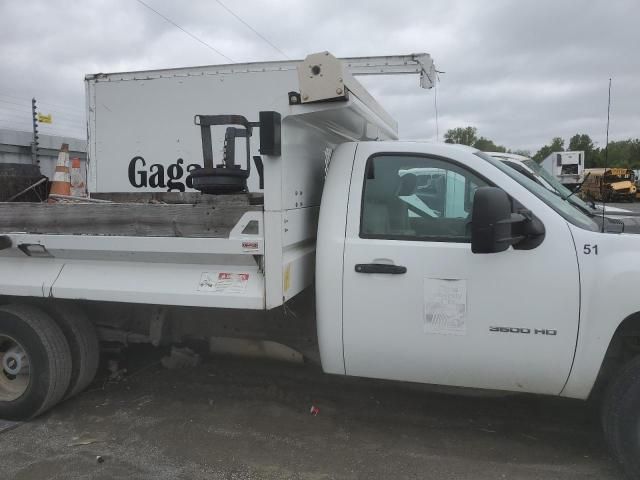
(409, 197)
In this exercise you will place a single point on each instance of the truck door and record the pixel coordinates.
(418, 305)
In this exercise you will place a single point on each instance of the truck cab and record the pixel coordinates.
(509, 320)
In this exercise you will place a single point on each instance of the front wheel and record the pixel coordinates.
(35, 362)
(621, 418)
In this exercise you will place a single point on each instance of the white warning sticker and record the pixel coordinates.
(223, 282)
(250, 246)
(445, 306)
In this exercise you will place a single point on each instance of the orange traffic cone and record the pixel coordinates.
(78, 188)
(61, 184)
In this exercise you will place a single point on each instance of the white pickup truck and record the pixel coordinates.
(410, 261)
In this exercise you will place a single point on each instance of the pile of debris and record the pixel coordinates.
(22, 183)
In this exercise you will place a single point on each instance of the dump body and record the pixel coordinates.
(254, 250)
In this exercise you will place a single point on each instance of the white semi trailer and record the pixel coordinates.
(411, 261)
(567, 167)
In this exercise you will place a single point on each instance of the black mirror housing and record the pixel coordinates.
(490, 221)
(494, 227)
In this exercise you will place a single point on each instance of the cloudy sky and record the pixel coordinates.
(520, 71)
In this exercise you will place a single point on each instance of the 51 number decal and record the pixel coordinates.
(590, 249)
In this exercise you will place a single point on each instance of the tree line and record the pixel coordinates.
(621, 153)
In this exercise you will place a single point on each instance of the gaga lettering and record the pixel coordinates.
(174, 177)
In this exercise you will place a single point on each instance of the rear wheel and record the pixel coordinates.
(35, 362)
(621, 417)
(83, 342)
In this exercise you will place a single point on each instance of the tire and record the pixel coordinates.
(83, 342)
(49, 362)
(621, 418)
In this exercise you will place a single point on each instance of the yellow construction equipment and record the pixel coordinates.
(609, 184)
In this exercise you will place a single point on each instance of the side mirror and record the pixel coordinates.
(492, 223)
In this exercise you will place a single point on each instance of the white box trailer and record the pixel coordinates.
(567, 167)
(142, 138)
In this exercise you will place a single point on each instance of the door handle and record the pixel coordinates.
(380, 268)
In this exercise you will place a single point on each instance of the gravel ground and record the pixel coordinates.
(250, 419)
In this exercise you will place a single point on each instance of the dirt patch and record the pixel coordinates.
(248, 419)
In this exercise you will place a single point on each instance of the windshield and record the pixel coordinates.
(564, 207)
(555, 184)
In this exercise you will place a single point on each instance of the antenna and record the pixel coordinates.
(606, 155)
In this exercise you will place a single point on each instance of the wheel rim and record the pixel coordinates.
(14, 369)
